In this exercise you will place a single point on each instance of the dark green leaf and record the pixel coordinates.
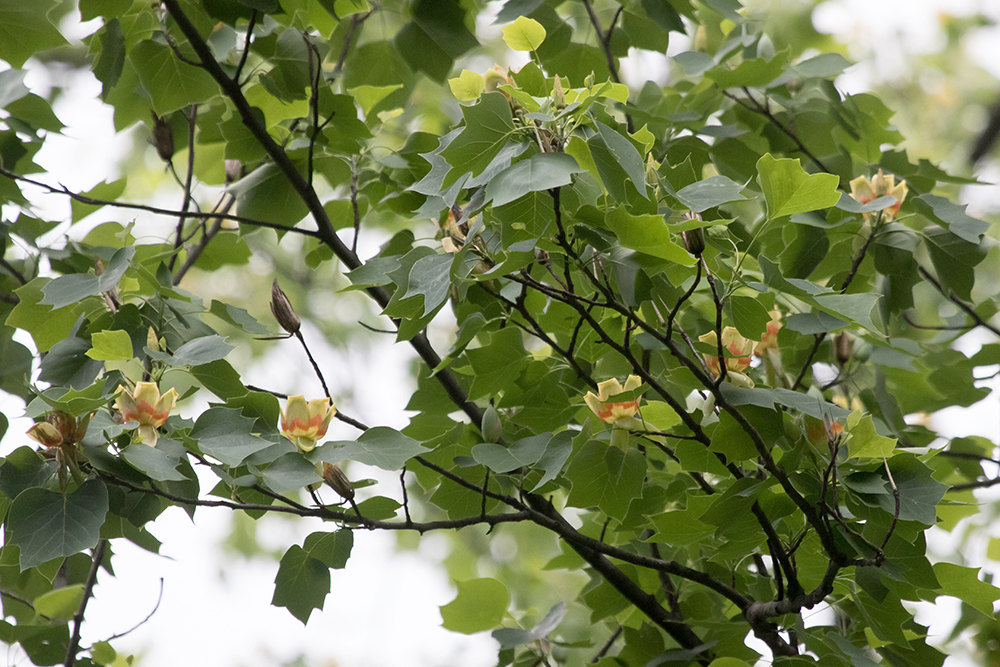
(67, 290)
(540, 172)
(302, 584)
(379, 446)
(47, 524)
(488, 127)
(709, 193)
(480, 605)
(227, 435)
(606, 477)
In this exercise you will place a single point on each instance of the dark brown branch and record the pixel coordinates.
(210, 233)
(12, 271)
(88, 589)
(605, 40)
(325, 231)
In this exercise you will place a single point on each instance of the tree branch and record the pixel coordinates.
(88, 589)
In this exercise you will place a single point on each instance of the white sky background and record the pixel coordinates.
(384, 606)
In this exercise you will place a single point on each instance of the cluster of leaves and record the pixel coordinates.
(588, 231)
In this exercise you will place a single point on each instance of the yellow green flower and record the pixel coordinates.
(866, 190)
(739, 347)
(147, 406)
(306, 422)
(621, 414)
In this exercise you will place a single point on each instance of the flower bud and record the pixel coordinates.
(558, 95)
(234, 169)
(151, 341)
(337, 480)
(283, 311)
(842, 348)
(694, 241)
(492, 427)
(163, 138)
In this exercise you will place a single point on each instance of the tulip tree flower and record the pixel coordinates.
(866, 190)
(621, 415)
(306, 422)
(59, 434)
(739, 347)
(148, 407)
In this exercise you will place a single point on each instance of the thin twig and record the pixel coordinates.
(951, 296)
(159, 598)
(84, 199)
(188, 179)
(246, 46)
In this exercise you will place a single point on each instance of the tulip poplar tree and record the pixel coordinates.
(694, 325)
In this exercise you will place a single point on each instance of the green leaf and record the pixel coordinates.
(159, 462)
(66, 290)
(480, 605)
(430, 277)
(467, 86)
(110, 346)
(964, 583)
(379, 446)
(302, 584)
(863, 442)
(540, 172)
(48, 524)
(265, 194)
(606, 477)
(649, 234)
(201, 350)
(952, 216)
(111, 62)
(226, 434)
(824, 65)
(788, 189)
(103, 191)
(488, 126)
(709, 193)
(290, 472)
(524, 34)
(753, 73)
(370, 96)
(220, 378)
(509, 637)
(750, 316)
(496, 365)
(171, 84)
(59, 604)
(331, 549)
(954, 258)
(523, 453)
(25, 29)
(617, 161)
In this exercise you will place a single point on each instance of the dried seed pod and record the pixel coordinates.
(283, 311)
(163, 138)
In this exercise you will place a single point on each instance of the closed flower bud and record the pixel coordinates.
(842, 347)
(234, 169)
(558, 95)
(337, 480)
(694, 241)
(283, 311)
(163, 138)
(492, 427)
(151, 342)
